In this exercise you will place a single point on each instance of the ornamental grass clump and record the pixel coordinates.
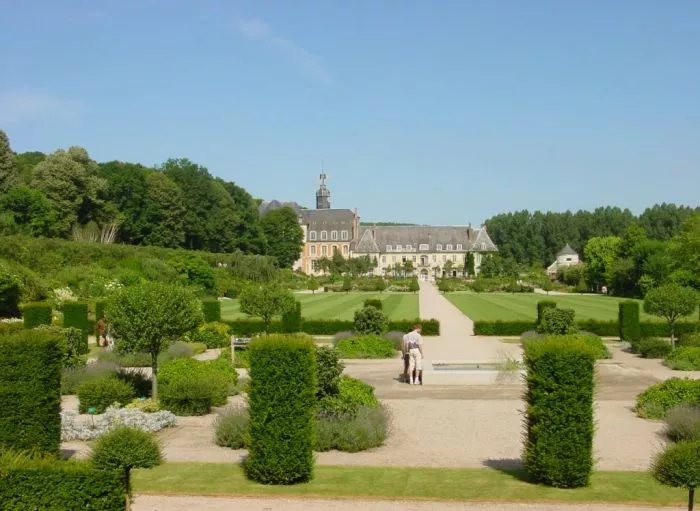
(282, 402)
(683, 423)
(559, 416)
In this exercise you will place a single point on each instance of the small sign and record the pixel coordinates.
(92, 410)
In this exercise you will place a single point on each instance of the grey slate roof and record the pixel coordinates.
(376, 238)
(266, 206)
(328, 219)
(567, 250)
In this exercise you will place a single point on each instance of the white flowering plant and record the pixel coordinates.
(74, 427)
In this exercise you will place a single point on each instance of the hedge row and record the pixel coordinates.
(75, 315)
(602, 328)
(30, 392)
(60, 486)
(282, 397)
(292, 320)
(35, 314)
(559, 416)
(628, 319)
(331, 327)
(211, 308)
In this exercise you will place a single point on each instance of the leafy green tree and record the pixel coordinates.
(125, 448)
(407, 267)
(685, 253)
(448, 267)
(249, 236)
(71, 182)
(148, 317)
(469, 265)
(600, 254)
(324, 264)
(312, 284)
(266, 301)
(664, 221)
(9, 176)
(26, 162)
(444, 286)
(370, 320)
(29, 210)
(413, 286)
(340, 264)
(10, 293)
(547, 285)
(671, 302)
(127, 191)
(194, 270)
(679, 466)
(164, 212)
(347, 283)
(380, 285)
(285, 237)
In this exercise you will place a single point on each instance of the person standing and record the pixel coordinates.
(414, 346)
(101, 333)
(405, 357)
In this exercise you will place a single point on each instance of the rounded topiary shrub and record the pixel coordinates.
(542, 306)
(211, 308)
(373, 302)
(213, 335)
(657, 400)
(282, 401)
(370, 320)
(653, 348)
(679, 466)
(366, 346)
(683, 423)
(96, 396)
(557, 321)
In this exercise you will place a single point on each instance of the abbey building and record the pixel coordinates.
(432, 250)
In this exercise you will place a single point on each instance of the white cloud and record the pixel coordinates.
(258, 30)
(28, 105)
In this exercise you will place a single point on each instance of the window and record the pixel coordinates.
(388, 248)
(334, 235)
(483, 246)
(324, 235)
(438, 247)
(393, 259)
(454, 258)
(335, 249)
(345, 249)
(424, 246)
(409, 248)
(312, 235)
(344, 235)
(398, 248)
(459, 247)
(568, 259)
(414, 259)
(324, 250)
(449, 247)
(313, 250)
(444, 258)
(383, 259)
(434, 258)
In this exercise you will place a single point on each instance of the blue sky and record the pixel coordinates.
(442, 112)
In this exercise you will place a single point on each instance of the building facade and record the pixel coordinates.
(567, 256)
(432, 250)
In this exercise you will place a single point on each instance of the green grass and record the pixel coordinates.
(405, 483)
(339, 305)
(522, 306)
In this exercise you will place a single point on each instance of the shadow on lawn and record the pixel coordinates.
(512, 467)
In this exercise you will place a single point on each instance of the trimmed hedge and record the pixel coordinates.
(100, 309)
(559, 416)
(373, 302)
(36, 313)
(291, 320)
(60, 486)
(602, 328)
(628, 319)
(542, 306)
(30, 392)
(212, 310)
(75, 314)
(247, 327)
(100, 394)
(282, 399)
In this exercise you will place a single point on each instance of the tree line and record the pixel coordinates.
(534, 238)
(178, 204)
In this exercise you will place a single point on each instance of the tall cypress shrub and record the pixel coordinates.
(30, 392)
(559, 416)
(543, 305)
(291, 320)
(628, 319)
(37, 313)
(282, 402)
(75, 314)
(211, 308)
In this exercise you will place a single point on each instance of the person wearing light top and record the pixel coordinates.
(413, 345)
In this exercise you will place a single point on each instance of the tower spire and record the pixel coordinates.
(323, 194)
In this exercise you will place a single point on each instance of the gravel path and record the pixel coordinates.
(185, 503)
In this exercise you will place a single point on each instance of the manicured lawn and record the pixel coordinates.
(407, 483)
(339, 305)
(523, 306)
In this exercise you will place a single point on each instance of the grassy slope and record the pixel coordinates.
(339, 305)
(393, 482)
(522, 306)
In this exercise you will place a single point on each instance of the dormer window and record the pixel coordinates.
(334, 235)
(409, 248)
(344, 235)
(312, 235)
(459, 247)
(424, 246)
(438, 247)
(324, 235)
(388, 248)
(449, 247)
(483, 246)
(399, 248)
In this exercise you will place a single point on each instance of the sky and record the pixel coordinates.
(433, 112)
